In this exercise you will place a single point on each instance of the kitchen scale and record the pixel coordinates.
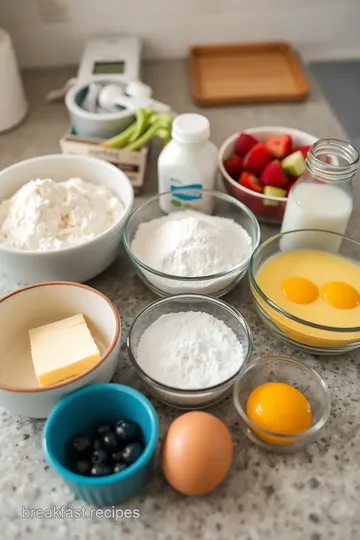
(111, 69)
(116, 58)
(107, 91)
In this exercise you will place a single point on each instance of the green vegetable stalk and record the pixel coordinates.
(156, 130)
(119, 141)
(142, 123)
(163, 118)
(148, 124)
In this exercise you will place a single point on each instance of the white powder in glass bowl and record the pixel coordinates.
(44, 214)
(189, 350)
(191, 244)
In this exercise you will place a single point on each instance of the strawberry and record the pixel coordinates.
(257, 159)
(273, 175)
(279, 146)
(292, 179)
(233, 166)
(303, 149)
(250, 181)
(244, 143)
(291, 182)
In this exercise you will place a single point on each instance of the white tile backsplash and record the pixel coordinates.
(169, 27)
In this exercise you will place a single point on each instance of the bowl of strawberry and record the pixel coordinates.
(260, 165)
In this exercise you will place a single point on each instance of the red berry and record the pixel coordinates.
(244, 143)
(303, 149)
(273, 175)
(279, 146)
(292, 179)
(233, 166)
(257, 159)
(250, 181)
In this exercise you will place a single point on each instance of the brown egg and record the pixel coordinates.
(197, 453)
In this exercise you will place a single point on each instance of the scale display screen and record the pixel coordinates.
(105, 68)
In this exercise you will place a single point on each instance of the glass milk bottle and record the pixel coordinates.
(189, 161)
(322, 197)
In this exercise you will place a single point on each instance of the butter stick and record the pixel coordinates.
(62, 349)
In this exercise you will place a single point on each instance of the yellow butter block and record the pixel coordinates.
(62, 349)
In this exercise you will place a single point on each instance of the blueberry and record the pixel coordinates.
(131, 452)
(117, 456)
(110, 441)
(97, 444)
(82, 467)
(99, 456)
(80, 445)
(101, 469)
(101, 429)
(127, 431)
(118, 467)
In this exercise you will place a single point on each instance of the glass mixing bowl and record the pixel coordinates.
(292, 330)
(221, 205)
(286, 370)
(175, 397)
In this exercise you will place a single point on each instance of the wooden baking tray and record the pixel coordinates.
(246, 73)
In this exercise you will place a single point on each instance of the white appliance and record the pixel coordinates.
(107, 90)
(13, 103)
(115, 58)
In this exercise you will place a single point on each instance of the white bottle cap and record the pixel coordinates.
(190, 128)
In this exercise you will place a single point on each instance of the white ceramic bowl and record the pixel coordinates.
(78, 263)
(98, 125)
(266, 208)
(42, 304)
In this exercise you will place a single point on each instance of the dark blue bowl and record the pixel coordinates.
(79, 413)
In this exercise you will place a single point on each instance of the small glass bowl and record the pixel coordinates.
(286, 370)
(189, 399)
(300, 333)
(216, 204)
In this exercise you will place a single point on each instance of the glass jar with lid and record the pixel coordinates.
(322, 198)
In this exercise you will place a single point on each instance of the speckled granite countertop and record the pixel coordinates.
(311, 495)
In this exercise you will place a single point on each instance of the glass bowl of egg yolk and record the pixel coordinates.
(282, 403)
(306, 289)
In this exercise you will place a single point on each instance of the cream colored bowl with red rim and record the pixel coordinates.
(265, 208)
(41, 304)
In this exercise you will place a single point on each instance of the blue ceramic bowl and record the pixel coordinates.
(79, 413)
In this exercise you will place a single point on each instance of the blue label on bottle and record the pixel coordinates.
(187, 196)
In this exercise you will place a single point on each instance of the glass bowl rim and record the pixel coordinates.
(211, 300)
(218, 194)
(291, 361)
(254, 284)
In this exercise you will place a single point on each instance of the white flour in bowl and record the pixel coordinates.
(189, 350)
(192, 244)
(44, 214)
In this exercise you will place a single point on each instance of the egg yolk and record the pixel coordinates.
(279, 408)
(340, 295)
(299, 290)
